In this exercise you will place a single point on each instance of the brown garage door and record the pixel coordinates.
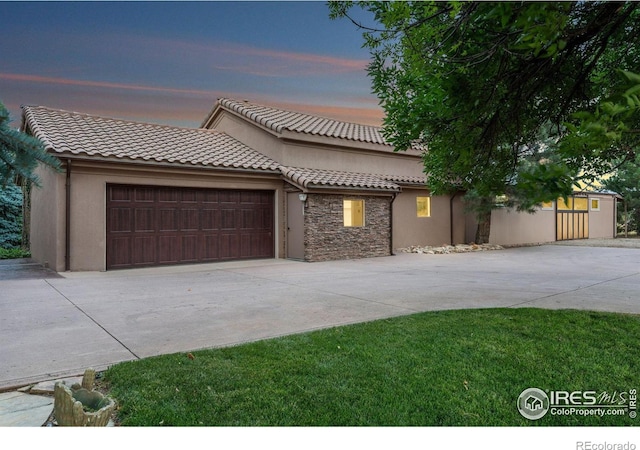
(149, 225)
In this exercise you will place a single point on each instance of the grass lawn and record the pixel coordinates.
(447, 368)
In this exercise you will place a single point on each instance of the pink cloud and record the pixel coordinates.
(241, 58)
(267, 62)
(98, 84)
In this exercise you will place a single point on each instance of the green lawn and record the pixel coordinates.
(449, 368)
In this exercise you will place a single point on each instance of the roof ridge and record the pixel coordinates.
(317, 116)
(117, 119)
(279, 119)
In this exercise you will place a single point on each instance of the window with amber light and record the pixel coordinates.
(423, 205)
(353, 213)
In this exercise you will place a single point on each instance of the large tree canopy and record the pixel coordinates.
(491, 90)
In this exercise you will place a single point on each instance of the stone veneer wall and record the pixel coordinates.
(326, 237)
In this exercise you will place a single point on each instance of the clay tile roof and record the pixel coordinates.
(320, 178)
(280, 120)
(406, 179)
(65, 132)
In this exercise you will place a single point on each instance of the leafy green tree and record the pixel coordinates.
(626, 182)
(20, 153)
(491, 91)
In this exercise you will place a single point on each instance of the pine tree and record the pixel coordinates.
(20, 153)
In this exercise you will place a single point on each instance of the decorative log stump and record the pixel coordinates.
(81, 407)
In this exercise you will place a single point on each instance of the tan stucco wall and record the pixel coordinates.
(509, 227)
(250, 135)
(47, 219)
(88, 202)
(323, 152)
(602, 223)
(408, 229)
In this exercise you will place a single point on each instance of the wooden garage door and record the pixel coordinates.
(149, 226)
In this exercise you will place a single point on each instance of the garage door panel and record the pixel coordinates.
(168, 220)
(228, 219)
(189, 246)
(210, 247)
(120, 220)
(144, 194)
(189, 219)
(229, 246)
(144, 250)
(209, 197)
(210, 219)
(168, 225)
(167, 195)
(120, 194)
(144, 220)
(121, 251)
(168, 249)
(228, 196)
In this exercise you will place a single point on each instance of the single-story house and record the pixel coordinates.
(252, 182)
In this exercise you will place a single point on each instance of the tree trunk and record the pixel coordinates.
(484, 227)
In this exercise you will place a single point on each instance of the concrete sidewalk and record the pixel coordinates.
(57, 327)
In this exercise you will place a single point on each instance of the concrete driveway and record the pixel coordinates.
(54, 327)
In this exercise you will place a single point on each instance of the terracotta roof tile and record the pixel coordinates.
(280, 120)
(81, 134)
(319, 178)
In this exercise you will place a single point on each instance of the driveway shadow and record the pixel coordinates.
(24, 269)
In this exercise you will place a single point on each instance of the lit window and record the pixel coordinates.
(595, 204)
(353, 213)
(423, 206)
(581, 204)
(563, 206)
(546, 206)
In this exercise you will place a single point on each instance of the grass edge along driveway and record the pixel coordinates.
(444, 368)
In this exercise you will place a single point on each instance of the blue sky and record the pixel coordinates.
(168, 62)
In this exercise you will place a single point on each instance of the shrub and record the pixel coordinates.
(13, 253)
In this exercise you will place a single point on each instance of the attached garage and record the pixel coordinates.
(133, 195)
(150, 226)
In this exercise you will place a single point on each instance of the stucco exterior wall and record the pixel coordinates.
(326, 237)
(409, 229)
(322, 152)
(88, 202)
(250, 135)
(602, 223)
(509, 227)
(48, 219)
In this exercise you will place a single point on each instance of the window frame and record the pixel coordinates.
(591, 200)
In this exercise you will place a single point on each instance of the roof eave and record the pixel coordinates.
(156, 163)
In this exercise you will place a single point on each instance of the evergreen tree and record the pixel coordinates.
(20, 153)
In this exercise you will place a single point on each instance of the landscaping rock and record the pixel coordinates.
(446, 249)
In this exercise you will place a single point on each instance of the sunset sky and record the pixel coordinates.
(168, 62)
